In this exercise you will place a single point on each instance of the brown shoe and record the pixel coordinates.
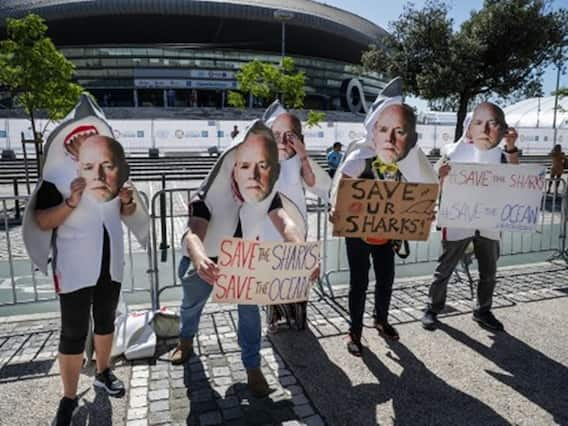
(257, 383)
(182, 352)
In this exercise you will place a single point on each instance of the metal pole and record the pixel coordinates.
(16, 201)
(26, 171)
(556, 104)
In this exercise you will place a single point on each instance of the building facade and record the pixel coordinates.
(181, 53)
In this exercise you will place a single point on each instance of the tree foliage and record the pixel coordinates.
(315, 118)
(35, 72)
(500, 50)
(268, 82)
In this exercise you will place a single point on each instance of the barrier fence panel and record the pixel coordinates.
(169, 216)
(22, 283)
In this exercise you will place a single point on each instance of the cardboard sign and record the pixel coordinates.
(492, 196)
(258, 273)
(384, 209)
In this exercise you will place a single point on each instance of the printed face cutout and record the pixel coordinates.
(394, 133)
(286, 131)
(256, 167)
(103, 166)
(487, 126)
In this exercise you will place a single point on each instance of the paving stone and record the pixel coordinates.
(294, 389)
(179, 393)
(159, 417)
(304, 410)
(159, 406)
(177, 384)
(221, 371)
(140, 392)
(137, 413)
(179, 403)
(138, 402)
(158, 394)
(160, 374)
(140, 422)
(288, 380)
(300, 399)
(138, 382)
(159, 384)
(314, 421)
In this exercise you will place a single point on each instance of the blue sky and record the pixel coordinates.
(382, 12)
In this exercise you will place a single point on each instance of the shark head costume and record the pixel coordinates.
(412, 163)
(290, 182)
(80, 236)
(229, 198)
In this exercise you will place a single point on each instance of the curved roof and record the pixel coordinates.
(315, 30)
(538, 112)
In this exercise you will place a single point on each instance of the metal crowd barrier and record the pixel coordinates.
(22, 283)
(155, 270)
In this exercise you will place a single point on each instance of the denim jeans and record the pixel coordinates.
(195, 294)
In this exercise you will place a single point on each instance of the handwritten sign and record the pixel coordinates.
(258, 273)
(492, 196)
(384, 209)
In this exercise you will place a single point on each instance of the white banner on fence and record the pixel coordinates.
(259, 273)
(492, 196)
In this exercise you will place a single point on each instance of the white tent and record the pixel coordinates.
(538, 113)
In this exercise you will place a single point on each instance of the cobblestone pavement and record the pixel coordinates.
(211, 387)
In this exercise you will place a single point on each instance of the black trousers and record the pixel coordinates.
(358, 253)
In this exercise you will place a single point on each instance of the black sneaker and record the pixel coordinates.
(354, 346)
(386, 330)
(67, 407)
(110, 383)
(430, 320)
(487, 320)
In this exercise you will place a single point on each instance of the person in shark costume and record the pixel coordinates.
(61, 218)
(388, 151)
(484, 129)
(239, 193)
(298, 173)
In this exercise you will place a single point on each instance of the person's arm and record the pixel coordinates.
(306, 171)
(285, 226)
(193, 242)
(53, 217)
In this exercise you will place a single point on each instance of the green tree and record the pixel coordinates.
(562, 92)
(38, 76)
(498, 51)
(315, 118)
(268, 82)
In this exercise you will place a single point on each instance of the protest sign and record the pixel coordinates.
(385, 209)
(492, 196)
(259, 273)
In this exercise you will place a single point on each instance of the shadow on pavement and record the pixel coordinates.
(532, 374)
(237, 405)
(98, 412)
(418, 396)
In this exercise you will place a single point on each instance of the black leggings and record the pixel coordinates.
(358, 252)
(76, 311)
